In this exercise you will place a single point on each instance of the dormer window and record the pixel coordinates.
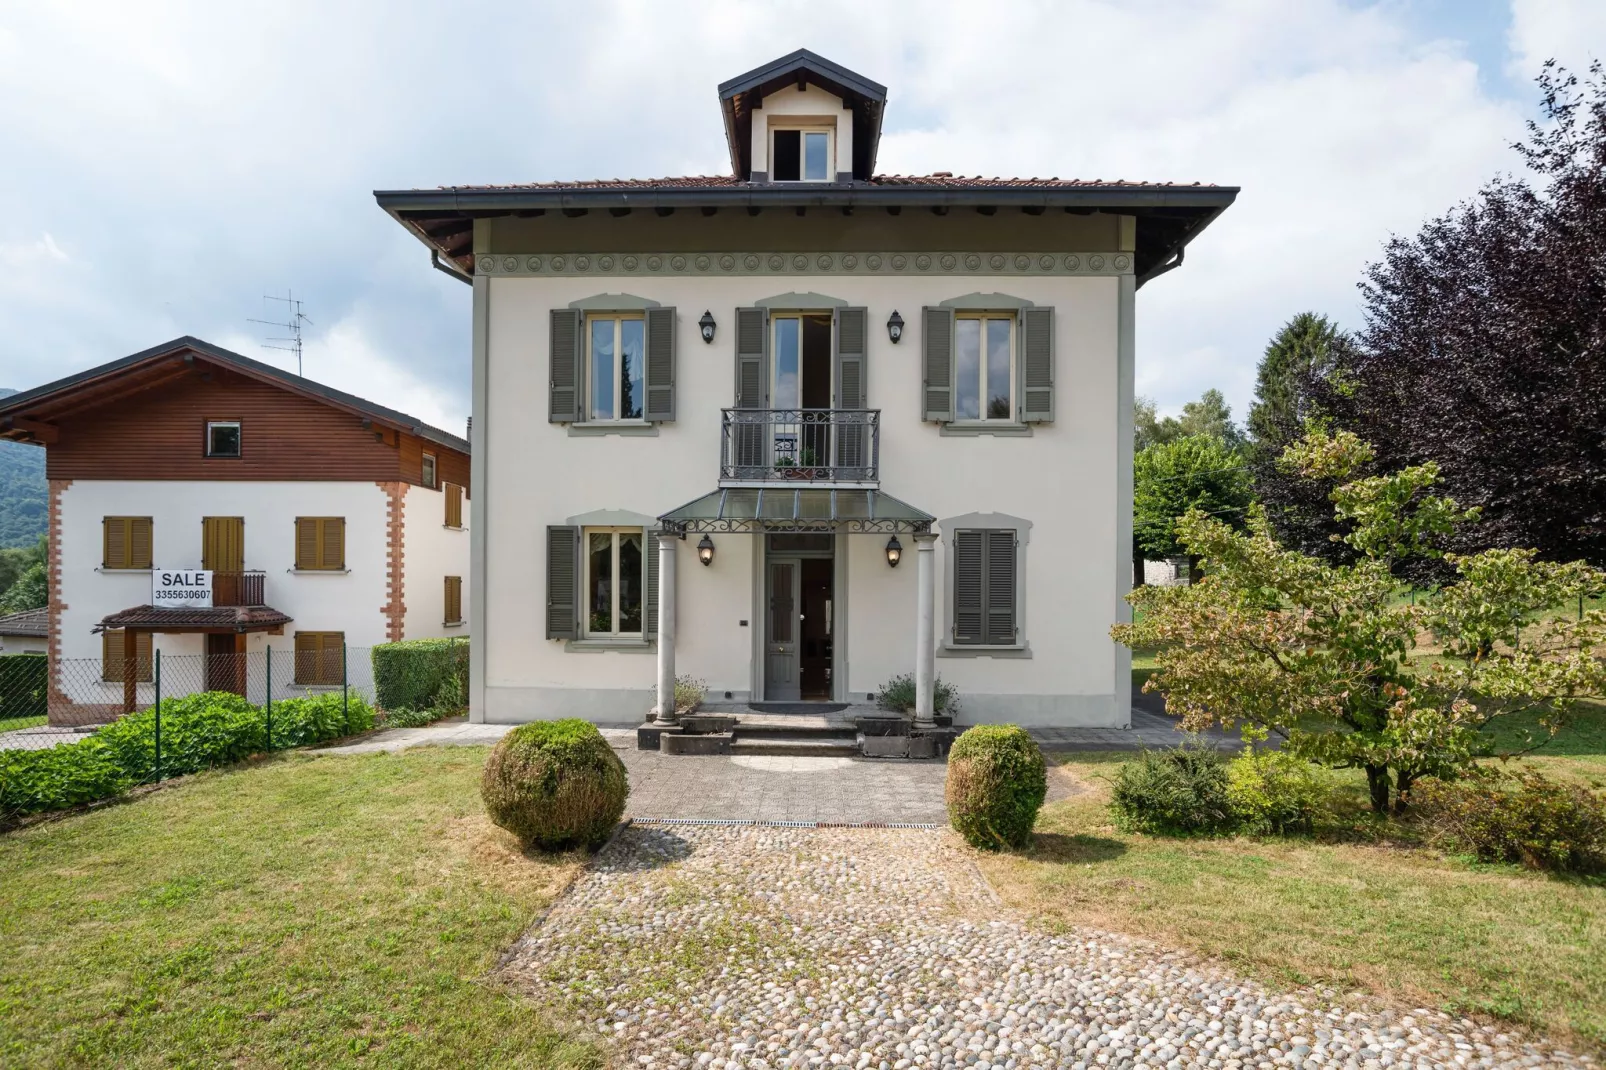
(223, 438)
(801, 154)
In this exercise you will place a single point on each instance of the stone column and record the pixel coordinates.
(665, 713)
(925, 631)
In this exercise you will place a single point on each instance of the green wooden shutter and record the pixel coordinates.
(969, 576)
(752, 388)
(564, 396)
(852, 337)
(660, 373)
(562, 582)
(649, 624)
(937, 341)
(1037, 365)
(1000, 587)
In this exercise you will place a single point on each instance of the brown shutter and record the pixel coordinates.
(334, 648)
(306, 543)
(112, 644)
(1037, 365)
(306, 657)
(968, 581)
(660, 371)
(937, 342)
(223, 543)
(454, 599)
(139, 541)
(564, 375)
(454, 505)
(114, 542)
(332, 552)
(1000, 585)
(562, 582)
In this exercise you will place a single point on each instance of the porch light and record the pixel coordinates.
(894, 551)
(705, 545)
(707, 324)
(894, 332)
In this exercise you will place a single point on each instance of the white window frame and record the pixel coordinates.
(618, 319)
(613, 593)
(803, 130)
(1013, 319)
(428, 472)
(239, 430)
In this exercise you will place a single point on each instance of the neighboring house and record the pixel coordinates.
(801, 374)
(1169, 572)
(324, 519)
(25, 632)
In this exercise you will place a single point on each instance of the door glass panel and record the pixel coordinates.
(781, 608)
(599, 578)
(814, 157)
(998, 370)
(967, 369)
(632, 364)
(602, 378)
(630, 581)
(788, 345)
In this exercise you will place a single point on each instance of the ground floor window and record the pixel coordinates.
(615, 579)
(984, 610)
(114, 642)
(320, 657)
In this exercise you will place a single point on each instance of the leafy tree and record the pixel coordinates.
(1321, 655)
(14, 561)
(1485, 340)
(1302, 352)
(1210, 416)
(31, 591)
(1195, 472)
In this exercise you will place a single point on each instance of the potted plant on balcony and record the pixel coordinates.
(787, 468)
(810, 462)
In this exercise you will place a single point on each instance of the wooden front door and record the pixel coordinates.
(781, 682)
(225, 662)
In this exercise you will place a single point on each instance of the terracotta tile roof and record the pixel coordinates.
(33, 622)
(245, 618)
(939, 179)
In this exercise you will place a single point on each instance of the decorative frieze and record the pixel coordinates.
(794, 263)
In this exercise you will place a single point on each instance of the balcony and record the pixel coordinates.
(238, 589)
(832, 447)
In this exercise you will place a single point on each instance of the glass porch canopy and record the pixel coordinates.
(789, 509)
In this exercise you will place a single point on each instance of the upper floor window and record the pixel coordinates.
(800, 155)
(428, 475)
(616, 361)
(223, 438)
(320, 543)
(125, 542)
(984, 367)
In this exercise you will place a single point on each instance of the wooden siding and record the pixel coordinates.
(450, 465)
(160, 434)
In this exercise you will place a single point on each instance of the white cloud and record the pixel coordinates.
(1572, 32)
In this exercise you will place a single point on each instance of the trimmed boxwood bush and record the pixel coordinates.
(32, 781)
(1179, 792)
(996, 784)
(413, 674)
(1530, 820)
(555, 784)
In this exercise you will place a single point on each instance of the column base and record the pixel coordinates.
(650, 735)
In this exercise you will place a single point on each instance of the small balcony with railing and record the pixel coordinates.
(239, 589)
(829, 447)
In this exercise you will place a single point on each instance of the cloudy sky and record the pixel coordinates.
(168, 164)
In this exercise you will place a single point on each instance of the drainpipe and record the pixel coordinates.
(435, 262)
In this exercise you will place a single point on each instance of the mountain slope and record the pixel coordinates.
(23, 516)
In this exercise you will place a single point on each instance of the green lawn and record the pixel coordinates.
(301, 911)
(11, 724)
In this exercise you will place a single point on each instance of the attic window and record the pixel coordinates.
(801, 155)
(223, 438)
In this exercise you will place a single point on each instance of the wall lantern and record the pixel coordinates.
(894, 551)
(705, 545)
(895, 328)
(707, 324)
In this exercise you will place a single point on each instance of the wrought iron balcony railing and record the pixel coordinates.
(238, 588)
(811, 445)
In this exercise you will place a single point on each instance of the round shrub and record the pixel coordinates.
(555, 784)
(1274, 791)
(996, 784)
(1181, 791)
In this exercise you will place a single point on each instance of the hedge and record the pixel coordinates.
(414, 673)
(23, 682)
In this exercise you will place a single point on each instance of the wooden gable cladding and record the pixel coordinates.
(158, 432)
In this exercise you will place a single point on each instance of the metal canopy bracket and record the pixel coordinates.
(782, 509)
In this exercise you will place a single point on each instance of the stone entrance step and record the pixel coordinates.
(752, 730)
(795, 745)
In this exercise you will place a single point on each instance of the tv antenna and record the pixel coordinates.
(291, 342)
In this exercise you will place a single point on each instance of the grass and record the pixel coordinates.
(1360, 907)
(302, 911)
(11, 724)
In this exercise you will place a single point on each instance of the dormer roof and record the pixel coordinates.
(741, 95)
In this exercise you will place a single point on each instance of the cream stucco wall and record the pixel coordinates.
(1065, 478)
(433, 552)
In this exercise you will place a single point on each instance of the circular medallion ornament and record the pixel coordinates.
(1122, 263)
(557, 263)
(1046, 262)
(899, 262)
(873, 262)
(604, 263)
(973, 262)
(1096, 262)
(776, 262)
(533, 264)
(510, 263)
(702, 263)
(631, 263)
(923, 262)
(1072, 263)
(727, 262)
(654, 263)
(824, 262)
(1022, 262)
(800, 261)
(948, 261)
(677, 263)
(751, 262)
(997, 261)
(487, 263)
(849, 262)
(582, 263)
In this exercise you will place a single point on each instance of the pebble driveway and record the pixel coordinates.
(721, 946)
